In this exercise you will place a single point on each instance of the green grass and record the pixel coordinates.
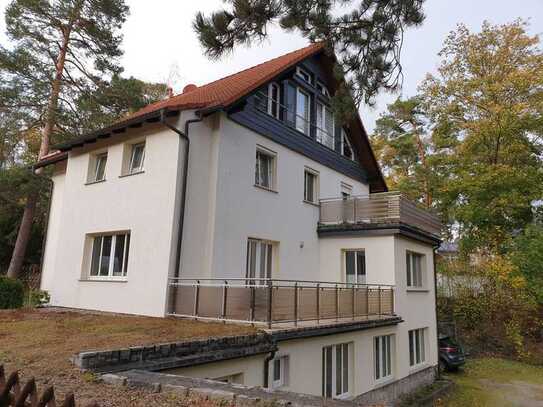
(496, 382)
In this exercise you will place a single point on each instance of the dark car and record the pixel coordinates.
(451, 355)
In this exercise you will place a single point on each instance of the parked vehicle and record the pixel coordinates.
(451, 355)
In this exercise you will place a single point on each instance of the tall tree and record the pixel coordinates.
(62, 48)
(402, 145)
(367, 39)
(486, 105)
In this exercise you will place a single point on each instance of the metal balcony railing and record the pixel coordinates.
(272, 301)
(386, 207)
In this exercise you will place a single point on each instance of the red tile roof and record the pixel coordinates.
(227, 90)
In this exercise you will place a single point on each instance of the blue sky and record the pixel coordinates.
(159, 41)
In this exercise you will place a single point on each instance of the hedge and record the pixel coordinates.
(11, 293)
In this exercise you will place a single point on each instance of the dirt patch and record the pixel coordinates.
(39, 344)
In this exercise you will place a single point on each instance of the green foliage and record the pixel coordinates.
(367, 39)
(37, 298)
(11, 293)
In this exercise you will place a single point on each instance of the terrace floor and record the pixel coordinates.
(38, 343)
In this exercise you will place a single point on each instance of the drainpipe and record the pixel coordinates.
(437, 321)
(181, 215)
(47, 215)
(267, 368)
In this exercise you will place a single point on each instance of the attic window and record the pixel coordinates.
(306, 76)
(322, 89)
(346, 148)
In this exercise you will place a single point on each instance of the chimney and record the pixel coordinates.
(170, 92)
(189, 88)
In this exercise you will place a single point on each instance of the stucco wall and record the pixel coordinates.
(143, 204)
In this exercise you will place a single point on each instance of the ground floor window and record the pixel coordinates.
(416, 347)
(335, 371)
(382, 355)
(259, 260)
(280, 370)
(110, 255)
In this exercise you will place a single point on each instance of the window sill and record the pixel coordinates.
(384, 381)
(131, 173)
(265, 188)
(104, 280)
(417, 290)
(417, 368)
(95, 182)
(311, 203)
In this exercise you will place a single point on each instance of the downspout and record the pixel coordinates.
(47, 216)
(181, 215)
(437, 320)
(267, 368)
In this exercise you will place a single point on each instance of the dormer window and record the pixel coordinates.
(306, 76)
(346, 148)
(274, 100)
(321, 87)
(325, 126)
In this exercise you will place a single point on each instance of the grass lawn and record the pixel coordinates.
(40, 342)
(493, 382)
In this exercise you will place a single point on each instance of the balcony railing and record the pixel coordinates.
(386, 207)
(272, 301)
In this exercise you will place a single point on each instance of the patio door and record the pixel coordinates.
(259, 261)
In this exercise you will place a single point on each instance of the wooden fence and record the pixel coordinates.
(13, 394)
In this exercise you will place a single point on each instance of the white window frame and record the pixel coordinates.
(271, 101)
(259, 179)
(303, 123)
(302, 73)
(264, 260)
(383, 357)
(345, 140)
(279, 371)
(97, 160)
(111, 260)
(359, 276)
(345, 391)
(140, 168)
(346, 190)
(323, 89)
(323, 136)
(417, 347)
(415, 278)
(312, 173)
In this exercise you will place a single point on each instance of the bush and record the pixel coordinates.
(11, 293)
(37, 298)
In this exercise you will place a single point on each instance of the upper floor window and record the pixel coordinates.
(414, 267)
(274, 100)
(335, 371)
(322, 89)
(311, 185)
(382, 356)
(110, 255)
(265, 169)
(98, 168)
(137, 157)
(417, 351)
(303, 112)
(259, 260)
(325, 126)
(302, 73)
(355, 266)
(346, 190)
(346, 148)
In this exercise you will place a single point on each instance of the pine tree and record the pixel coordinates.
(62, 49)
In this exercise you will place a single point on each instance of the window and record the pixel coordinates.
(311, 185)
(110, 255)
(414, 262)
(259, 260)
(346, 148)
(325, 126)
(274, 100)
(137, 157)
(416, 347)
(280, 368)
(335, 371)
(346, 190)
(382, 356)
(265, 169)
(302, 73)
(355, 266)
(99, 172)
(302, 112)
(236, 378)
(322, 89)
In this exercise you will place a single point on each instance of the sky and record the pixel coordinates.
(160, 45)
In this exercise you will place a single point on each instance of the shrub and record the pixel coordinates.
(37, 298)
(11, 293)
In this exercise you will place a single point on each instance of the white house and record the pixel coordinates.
(244, 200)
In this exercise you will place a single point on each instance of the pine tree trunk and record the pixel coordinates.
(422, 156)
(23, 235)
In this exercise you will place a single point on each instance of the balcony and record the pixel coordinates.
(278, 303)
(374, 211)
